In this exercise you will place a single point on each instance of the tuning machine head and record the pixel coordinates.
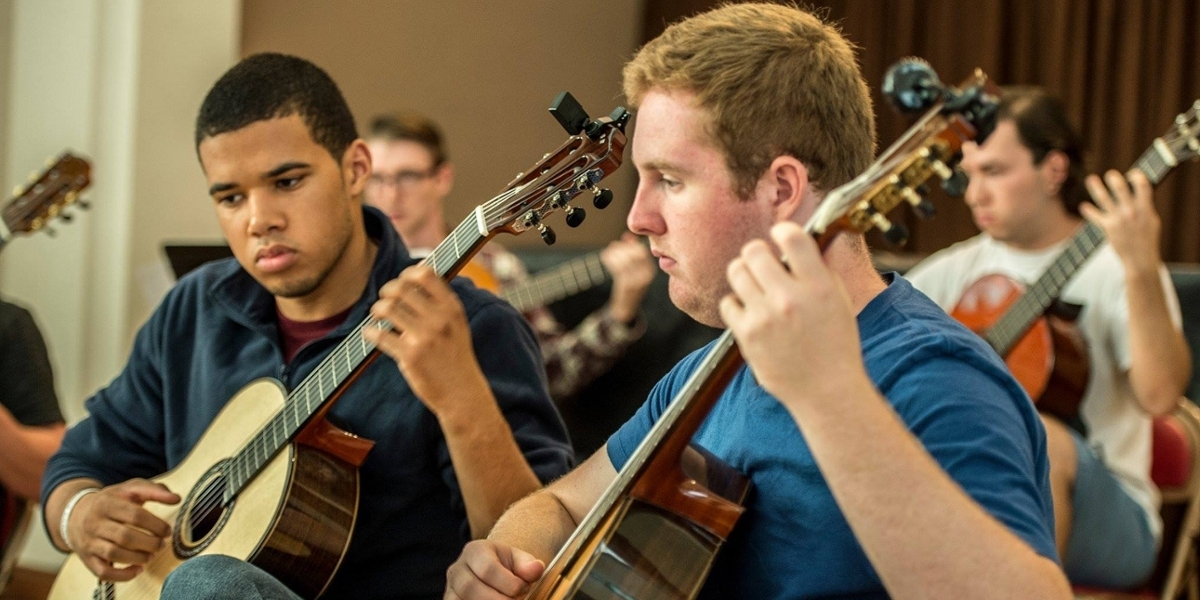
(954, 180)
(895, 233)
(603, 198)
(575, 216)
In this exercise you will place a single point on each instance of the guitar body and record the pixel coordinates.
(480, 276)
(660, 541)
(293, 520)
(1050, 361)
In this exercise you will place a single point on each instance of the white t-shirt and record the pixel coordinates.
(1117, 427)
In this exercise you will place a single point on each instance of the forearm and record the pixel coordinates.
(56, 502)
(925, 537)
(23, 454)
(1160, 364)
(539, 524)
(492, 472)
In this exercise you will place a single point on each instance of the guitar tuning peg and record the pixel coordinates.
(53, 210)
(603, 198)
(33, 176)
(49, 161)
(575, 216)
(17, 190)
(70, 197)
(547, 234)
(922, 206)
(956, 184)
(894, 233)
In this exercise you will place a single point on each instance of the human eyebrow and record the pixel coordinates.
(663, 166)
(284, 168)
(217, 188)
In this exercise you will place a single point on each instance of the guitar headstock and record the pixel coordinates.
(47, 194)
(930, 148)
(1182, 141)
(594, 150)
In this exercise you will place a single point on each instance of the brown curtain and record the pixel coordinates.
(1123, 69)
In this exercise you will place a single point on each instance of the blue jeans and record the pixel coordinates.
(219, 577)
(1111, 544)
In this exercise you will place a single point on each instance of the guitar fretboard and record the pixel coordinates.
(1155, 162)
(339, 367)
(554, 284)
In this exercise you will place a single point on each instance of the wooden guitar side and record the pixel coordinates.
(646, 547)
(294, 520)
(1050, 361)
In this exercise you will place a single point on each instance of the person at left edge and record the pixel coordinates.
(462, 429)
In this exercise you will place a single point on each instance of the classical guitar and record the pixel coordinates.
(271, 481)
(1035, 333)
(655, 531)
(45, 197)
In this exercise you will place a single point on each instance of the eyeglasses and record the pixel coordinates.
(400, 179)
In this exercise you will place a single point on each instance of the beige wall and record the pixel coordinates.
(6, 9)
(486, 71)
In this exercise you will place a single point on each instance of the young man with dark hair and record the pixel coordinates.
(892, 457)
(412, 178)
(1027, 195)
(462, 428)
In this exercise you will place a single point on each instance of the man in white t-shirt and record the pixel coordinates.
(1028, 195)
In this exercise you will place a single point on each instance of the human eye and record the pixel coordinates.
(229, 199)
(287, 183)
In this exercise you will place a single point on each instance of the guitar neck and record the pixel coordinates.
(554, 284)
(342, 365)
(1155, 162)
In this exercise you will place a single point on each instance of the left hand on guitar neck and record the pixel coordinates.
(778, 314)
(1127, 217)
(431, 342)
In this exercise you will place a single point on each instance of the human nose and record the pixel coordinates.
(644, 216)
(975, 195)
(265, 217)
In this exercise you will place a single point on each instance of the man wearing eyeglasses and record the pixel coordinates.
(411, 177)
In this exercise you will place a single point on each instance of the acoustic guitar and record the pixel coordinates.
(283, 495)
(47, 195)
(1034, 332)
(33, 206)
(654, 533)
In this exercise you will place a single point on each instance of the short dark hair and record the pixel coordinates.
(269, 86)
(410, 127)
(1042, 125)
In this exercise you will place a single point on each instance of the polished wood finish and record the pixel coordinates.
(1050, 361)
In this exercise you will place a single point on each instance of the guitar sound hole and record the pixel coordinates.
(203, 514)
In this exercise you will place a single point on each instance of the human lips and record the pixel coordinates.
(664, 262)
(274, 258)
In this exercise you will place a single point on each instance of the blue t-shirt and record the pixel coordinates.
(952, 392)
